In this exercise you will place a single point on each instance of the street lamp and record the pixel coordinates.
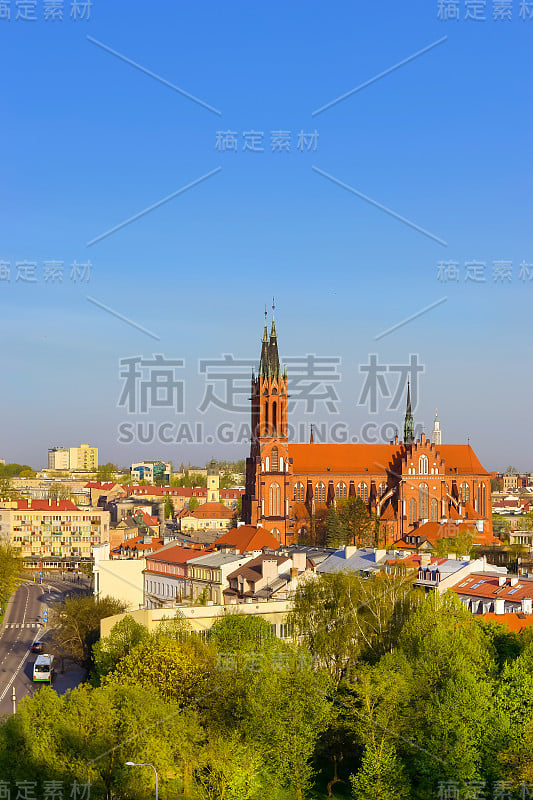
(133, 764)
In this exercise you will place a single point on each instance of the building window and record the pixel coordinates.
(382, 489)
(464, 492)
(275, 459)
(423, 465)
(275, 532)
(481, 499)
(423, 499)
(340, 491)
(274, 496)
(320, 492)
(434, 510)
(412, 511)
(362, 491)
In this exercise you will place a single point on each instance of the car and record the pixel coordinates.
(37, 647)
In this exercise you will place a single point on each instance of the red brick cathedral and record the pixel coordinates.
(406, 484)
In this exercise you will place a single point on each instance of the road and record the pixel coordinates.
(22, 626)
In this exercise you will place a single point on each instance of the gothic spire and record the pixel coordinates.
(273, 348)
(408, 426)
(264, 367)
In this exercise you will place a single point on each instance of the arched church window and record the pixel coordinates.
(275, 459)
(320, 492)
(274, 418)
(274, 497)
(481, 499)
(362, 491)
(464, 492)
(423, 466)
(412, 511)
(340, 491)
(434, 510)
(423, 499)
(299, 492)
(382, 489)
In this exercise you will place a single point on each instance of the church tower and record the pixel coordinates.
(408, 425)
(436, 436)
(266, 498)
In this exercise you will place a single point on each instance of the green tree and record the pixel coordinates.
(169, 507)
(75, 624)
(227, 481)
(178, 670)
(59, 491)
(87, 735)
(193, 504)
(10, 570)
(27, 473)
(237, 514)
(124, 636)
(236, 632)
(336, 533)
(460, 545)
(106, 472)
(355, 518)
(496, 484)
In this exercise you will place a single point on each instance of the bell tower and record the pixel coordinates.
(266, 500)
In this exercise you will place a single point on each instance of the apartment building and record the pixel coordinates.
(83, 458)
(52, 533)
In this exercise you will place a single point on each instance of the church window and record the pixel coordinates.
(275, 459)
(299, 492)
(281, 465)
(382, 489)
(275, 532)
(481, 499)
(362, 491)
(464, 492)
(423, 465)
(274, 497)
(274, 417)
(340, 490)
(412, 511)
(434, 510)
(267, 464)
(320, 492)
(267, 431)
(423, 501)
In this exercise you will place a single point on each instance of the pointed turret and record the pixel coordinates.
(408, 426)
(273, 348)
(264, 363)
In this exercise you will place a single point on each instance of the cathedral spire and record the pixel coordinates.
(264, 363)
(311, 438)
(436, 436)
(273, 348)
(408, 426)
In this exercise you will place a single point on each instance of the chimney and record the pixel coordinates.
(527, 605)
(396, 439)
(379, 555)
(269, 570)
(298, 561)
(349, 550)
(499, 605)
(513, 581)
(425, 559)
(502, 580)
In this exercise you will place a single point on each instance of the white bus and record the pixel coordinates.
(43, 669)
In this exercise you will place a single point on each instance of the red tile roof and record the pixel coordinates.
(176, 554)
(247, 537)
(357, 459)
(46, 505)
(517, 622)
(489, 587)
(212, 511)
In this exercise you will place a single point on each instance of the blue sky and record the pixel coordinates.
(89, 141)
